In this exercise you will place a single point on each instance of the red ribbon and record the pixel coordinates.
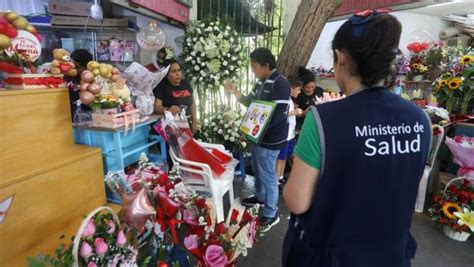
(51, 82)
(169, 223)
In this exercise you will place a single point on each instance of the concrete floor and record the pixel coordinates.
(434, 248)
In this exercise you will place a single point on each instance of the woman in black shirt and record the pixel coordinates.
(308, 94)
(174, 93)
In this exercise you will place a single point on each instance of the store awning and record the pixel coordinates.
(236, 11)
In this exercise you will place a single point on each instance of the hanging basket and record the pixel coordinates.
(77, 238)
(447, 230)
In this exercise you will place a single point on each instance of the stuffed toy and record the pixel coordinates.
(62, 64)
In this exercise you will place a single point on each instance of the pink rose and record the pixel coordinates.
(190, 217)
(86, 250)
(89, 230)
(121, 238)
(100, 246)
(215, 256)
(110, 227)
(191, 242)
(91, 264)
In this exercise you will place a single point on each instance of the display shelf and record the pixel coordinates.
(54, 182)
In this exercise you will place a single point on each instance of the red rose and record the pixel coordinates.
(162, 179)
(465, 197)
(246, 218)
(234, 215)
(201, 203)
(457, 139)
(220, 228)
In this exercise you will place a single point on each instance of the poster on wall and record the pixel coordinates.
(256, 119)
(169, 8)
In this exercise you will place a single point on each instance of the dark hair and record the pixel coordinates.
(263, 56)
(169, 62)
(372, 45)
(305, 75)
(82, 56)
(294, 81)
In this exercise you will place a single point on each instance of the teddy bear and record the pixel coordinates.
(62, 64)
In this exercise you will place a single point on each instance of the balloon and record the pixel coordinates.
(115, 77)
(87, 76)
(136, 209)
(94, 88)
(151, 37)
(86, 97)
(83, 86)
(115, 71)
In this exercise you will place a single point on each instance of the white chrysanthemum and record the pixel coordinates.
(219, 131)
(200, 79)
(234, 58)
(232, 139)
(226, 137)
(243, 144)
(224, 63)
(196, 68)
(226, 125)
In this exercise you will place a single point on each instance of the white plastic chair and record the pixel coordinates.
(199, 177)
(438, 134)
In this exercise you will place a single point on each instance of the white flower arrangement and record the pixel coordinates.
(216, 47)
(223, 128)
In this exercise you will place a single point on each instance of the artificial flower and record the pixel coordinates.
(443, 82)
(100, 246)
(110, 227)
(454, 83)
(89, 230)
(449, 208)
(215, 256)
(467, 59)
(466, 218)
(191, 242)
(86, 250)
(121, 238)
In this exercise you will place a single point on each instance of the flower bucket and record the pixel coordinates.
(417, 78)
(458, 236)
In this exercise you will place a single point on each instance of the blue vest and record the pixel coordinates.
(374, 147)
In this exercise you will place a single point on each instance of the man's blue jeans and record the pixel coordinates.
(266, 185)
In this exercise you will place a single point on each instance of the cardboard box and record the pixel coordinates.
(69, 8)
(81, 21)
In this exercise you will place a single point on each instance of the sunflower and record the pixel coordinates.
(449, 208)
(437, 87)
(467, 59)
(454, 83)
(443, 82)
(416, 66)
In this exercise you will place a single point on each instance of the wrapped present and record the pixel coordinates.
(117, 120)
(141, 83)
(33, 81)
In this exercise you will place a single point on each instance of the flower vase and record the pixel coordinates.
(417, 78)
(458, 236)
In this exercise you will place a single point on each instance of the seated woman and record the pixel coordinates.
(174, 93)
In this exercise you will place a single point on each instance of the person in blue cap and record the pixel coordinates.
(359, 160)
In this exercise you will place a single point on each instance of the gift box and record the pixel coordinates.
(36, 81)
(117, 120)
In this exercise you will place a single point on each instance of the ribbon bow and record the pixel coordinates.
(360, 18)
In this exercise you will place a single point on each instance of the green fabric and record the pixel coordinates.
(308, 148)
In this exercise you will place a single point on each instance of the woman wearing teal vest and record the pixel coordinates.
(358, 160)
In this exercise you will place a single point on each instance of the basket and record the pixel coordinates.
(114, 121)
(77, 238)
(458, 236)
